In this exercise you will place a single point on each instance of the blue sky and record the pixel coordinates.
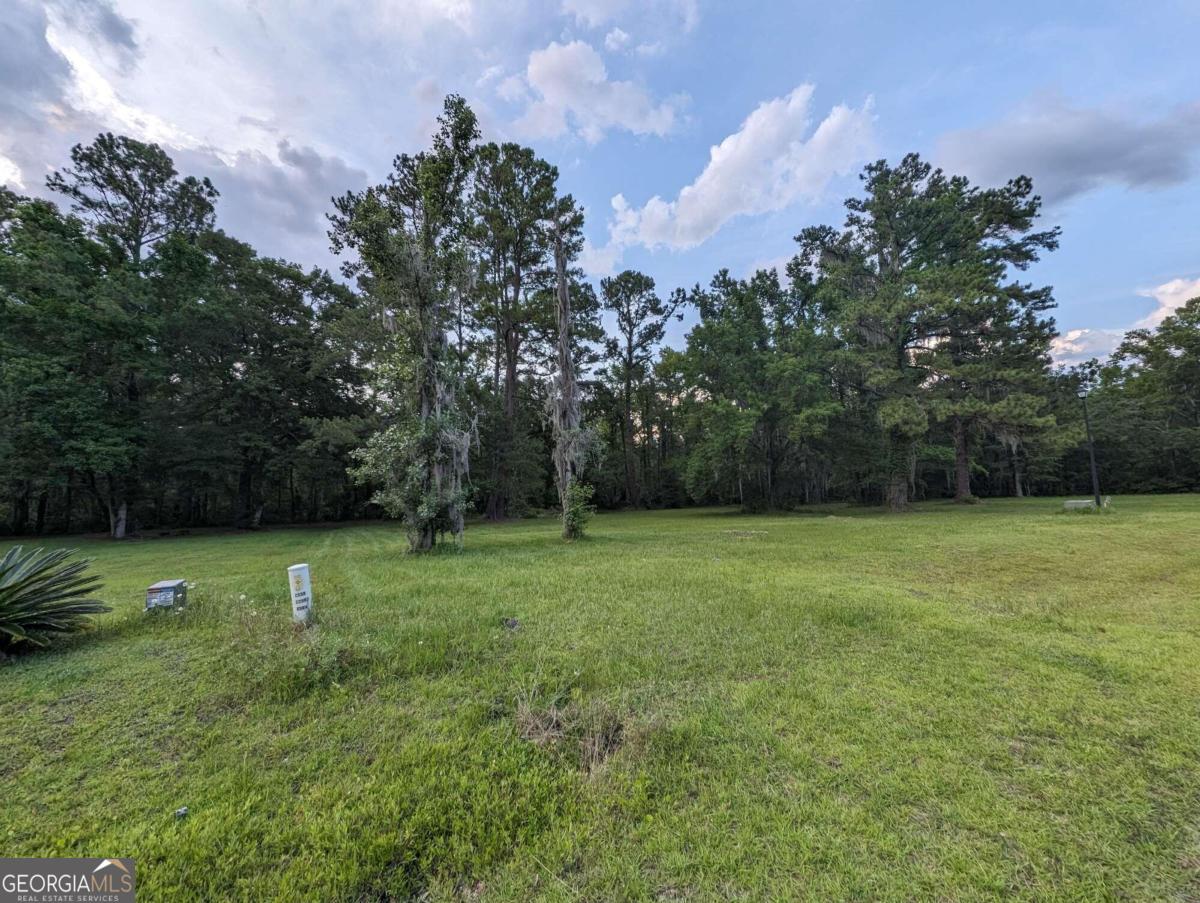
(698, 135)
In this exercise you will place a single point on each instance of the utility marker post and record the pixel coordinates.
(301, 586)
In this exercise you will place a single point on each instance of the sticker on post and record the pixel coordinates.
(301, 586)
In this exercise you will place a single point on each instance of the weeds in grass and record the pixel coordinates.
(601, 731)
(593, 730)
(285, 662)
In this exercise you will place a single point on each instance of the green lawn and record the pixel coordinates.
(962, 703)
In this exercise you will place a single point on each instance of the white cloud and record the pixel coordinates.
(595, 13)
(512, 89)
(1078, 345)
(690, 11)
(599, 260)
(620, 41)
(1170, 296)
(573, 88)
(490, 74)
(402, 18)
(10, 173)
(91, 93)
(771, 162)
(616, 40)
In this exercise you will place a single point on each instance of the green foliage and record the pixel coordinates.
(156, 373)
(409, 237)
(578, 510)
(187, 389)
(1146, 409)
(396, 460)
(131, 194)
(43, 595)
(919, 286)
(641, 318)
(512, 203)
(903, 417)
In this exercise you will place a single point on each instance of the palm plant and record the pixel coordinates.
(42, 594)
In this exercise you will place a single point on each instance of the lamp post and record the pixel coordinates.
(1091, 448)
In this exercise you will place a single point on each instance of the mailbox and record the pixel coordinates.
(166, 594)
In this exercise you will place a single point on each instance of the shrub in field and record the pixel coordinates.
(42, 594)
(578, 511)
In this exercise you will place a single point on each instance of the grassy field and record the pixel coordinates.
(959, 704)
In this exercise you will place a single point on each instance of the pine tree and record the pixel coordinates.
(412, 259)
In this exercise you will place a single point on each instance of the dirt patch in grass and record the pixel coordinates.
(589, 731)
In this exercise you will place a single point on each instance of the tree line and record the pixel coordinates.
(159, 374)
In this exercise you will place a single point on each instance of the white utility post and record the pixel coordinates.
(301, 586)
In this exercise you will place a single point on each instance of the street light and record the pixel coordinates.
(1083, 394)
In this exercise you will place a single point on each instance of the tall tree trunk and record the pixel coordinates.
(500, 498)
(897, 491)
(423, 541)
(118, 517)
(445, 464)
(648, 433)
(500, 501)
(632, 491)
(493, 506)
(512, 352)
(114, 503)
(962, 462)
(1015, 454)
(39, 525)
(568, 445)
(901, 459)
